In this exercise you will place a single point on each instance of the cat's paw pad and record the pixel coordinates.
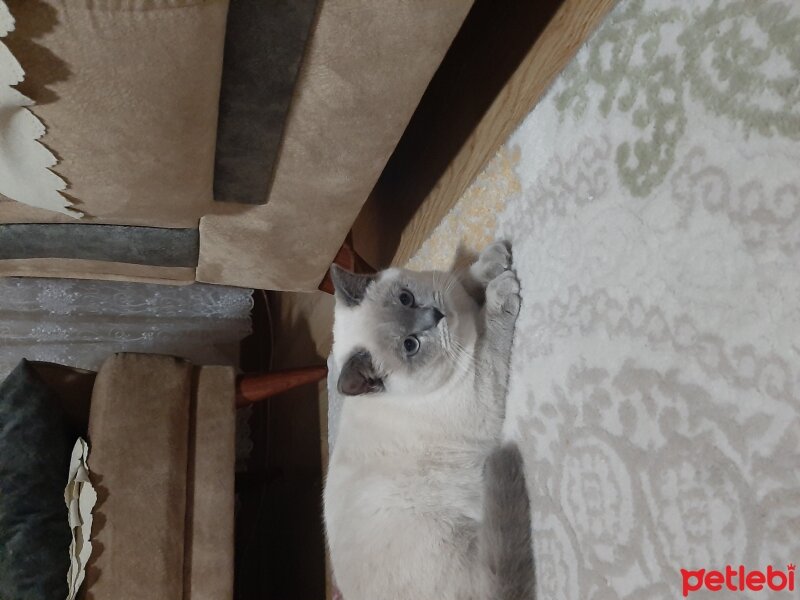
(492, 262)
(502, 294)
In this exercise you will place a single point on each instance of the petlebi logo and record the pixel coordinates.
(739, 579)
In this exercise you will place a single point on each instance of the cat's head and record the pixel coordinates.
(400, 331)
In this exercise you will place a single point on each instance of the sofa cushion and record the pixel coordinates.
(208, 571)
(139, 436)
(129, 92)
(162, 460)
(35, 449)
(366, 67)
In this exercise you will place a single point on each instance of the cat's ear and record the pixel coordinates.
(350, 287)
(359, 376)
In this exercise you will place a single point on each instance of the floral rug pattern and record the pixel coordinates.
(653, 203)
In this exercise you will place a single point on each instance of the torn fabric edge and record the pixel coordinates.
(25, 163)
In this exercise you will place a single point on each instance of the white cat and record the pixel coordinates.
(420, 503)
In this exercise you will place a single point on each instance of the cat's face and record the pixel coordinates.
(401, 331)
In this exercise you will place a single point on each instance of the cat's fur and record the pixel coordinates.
(420, 503)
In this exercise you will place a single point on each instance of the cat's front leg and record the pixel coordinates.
(493, 261)
(500, 316)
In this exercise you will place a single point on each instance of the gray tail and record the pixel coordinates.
(505, 535)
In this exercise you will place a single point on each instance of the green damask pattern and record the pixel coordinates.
(739, 59)
(753, 76)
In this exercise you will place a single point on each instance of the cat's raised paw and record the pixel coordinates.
(492, 262)
(502, 294)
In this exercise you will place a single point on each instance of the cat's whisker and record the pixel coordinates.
(465, 352)
(452, 279)
(439, 291)
(460, 364)
(463, 359)
(453, 358)
(467, 359)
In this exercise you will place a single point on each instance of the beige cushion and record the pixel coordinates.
(210, 522)
(162, 461)
(365, 71)
(128, 90)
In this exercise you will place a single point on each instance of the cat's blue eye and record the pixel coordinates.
(406, 298)
(411, 345)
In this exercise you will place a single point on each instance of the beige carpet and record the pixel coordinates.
(653, 204)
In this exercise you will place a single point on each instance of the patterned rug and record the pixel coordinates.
(653, 203)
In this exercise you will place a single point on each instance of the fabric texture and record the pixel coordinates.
(155, 246)
(130, 99)
(25, 174)
(366, 67)
(73, 388)
(653, 207)
(35, 448)
(72, 268)
(210, 524)
(162, 461)
(136, 138)
(81, 323)
(139, 436)
(258, 82)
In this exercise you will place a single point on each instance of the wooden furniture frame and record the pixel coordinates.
(255, 388)
(500, 65)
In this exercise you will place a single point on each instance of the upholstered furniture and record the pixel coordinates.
(162, 453)
(246, 170)
(162, 459)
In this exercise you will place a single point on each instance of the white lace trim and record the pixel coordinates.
(79, 323)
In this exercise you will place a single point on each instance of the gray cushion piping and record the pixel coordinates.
(152, 246)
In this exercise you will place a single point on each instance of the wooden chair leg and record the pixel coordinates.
(255, 388)
(349, 259)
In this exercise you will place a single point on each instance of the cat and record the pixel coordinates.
(420, 501)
